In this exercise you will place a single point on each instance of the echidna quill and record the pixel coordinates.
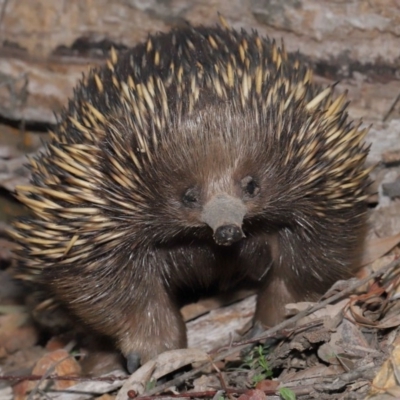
(200, 161)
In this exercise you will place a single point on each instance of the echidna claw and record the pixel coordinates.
(132, 362)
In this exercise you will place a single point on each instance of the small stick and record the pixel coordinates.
(396, 100)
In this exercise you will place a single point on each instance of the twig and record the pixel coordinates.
(207, 393)
(396, 100)
(16, 379)
(2, 14)
(222, 381)
(46, 375)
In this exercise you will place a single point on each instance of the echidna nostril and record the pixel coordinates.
(227, 234)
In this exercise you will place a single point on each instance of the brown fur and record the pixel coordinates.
(201, 161)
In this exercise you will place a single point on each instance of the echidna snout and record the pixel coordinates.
(224, 214)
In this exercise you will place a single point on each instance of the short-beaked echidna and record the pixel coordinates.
(202, 160)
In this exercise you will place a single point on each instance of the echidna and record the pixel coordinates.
(202, 160)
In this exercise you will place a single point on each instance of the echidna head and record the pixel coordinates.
(223, 212)
(214, 174)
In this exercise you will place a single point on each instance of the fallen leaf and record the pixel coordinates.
(386, 379)
(60, 363)
(160, 366)
(253, 394)
(267, 385)
(378, 247)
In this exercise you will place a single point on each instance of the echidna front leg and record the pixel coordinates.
(271, 302)
(274, 293)
(131, 305)
(153, 325)
(306, 264)
(153, 330)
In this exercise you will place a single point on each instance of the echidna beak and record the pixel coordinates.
(224, 214)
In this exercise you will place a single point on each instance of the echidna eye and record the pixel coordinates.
(190, 198)
(249, 186)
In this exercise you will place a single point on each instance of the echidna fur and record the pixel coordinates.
(202, 160)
